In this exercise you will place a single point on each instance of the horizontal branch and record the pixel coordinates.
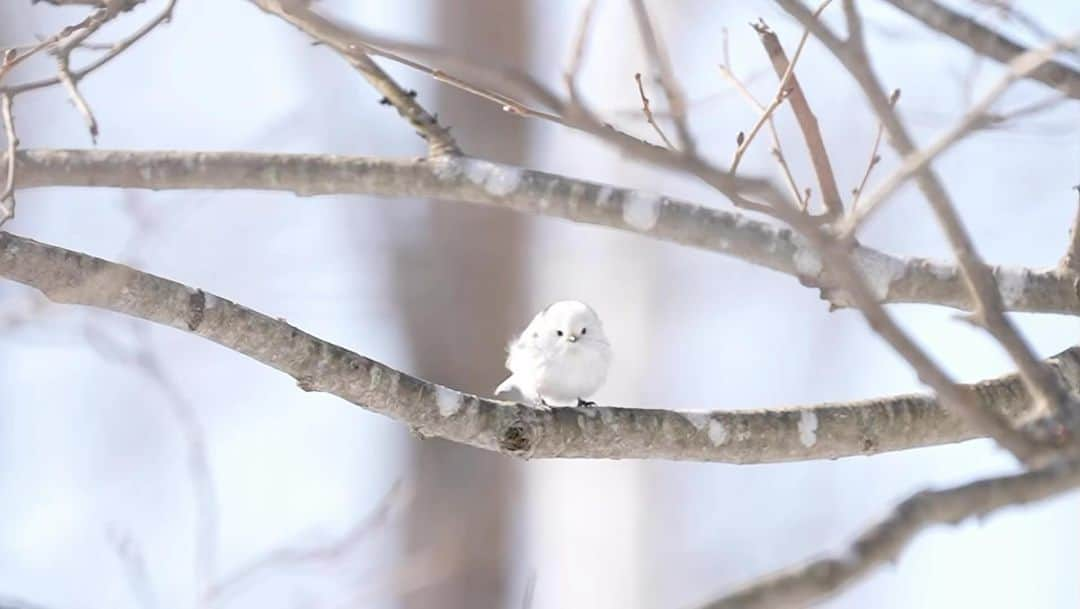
(895, 280)
(823, 431)
(988, 43)
(819, 579)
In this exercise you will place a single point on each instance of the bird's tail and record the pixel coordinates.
(507, 385)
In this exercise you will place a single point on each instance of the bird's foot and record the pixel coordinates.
(541, 405)
(584, 404)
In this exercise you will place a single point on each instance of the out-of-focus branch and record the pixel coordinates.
(661, 62)
(976, 117)
(291, 556)
(816, 432)
(576, 56)
(874, 158)
(814, 581)
(298, 13)
(988, 43)
(7, 195)
(895, 280)
(815, 143)
(978, 277)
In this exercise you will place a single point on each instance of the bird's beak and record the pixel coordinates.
(572, 338)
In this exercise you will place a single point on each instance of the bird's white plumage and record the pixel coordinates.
(560, 358)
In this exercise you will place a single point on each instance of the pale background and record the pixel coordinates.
(90, 449)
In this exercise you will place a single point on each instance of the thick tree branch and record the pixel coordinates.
(819, 432)
(987, 42)
(885, 541)
(895, 280)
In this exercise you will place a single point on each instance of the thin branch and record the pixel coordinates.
(661, 62)
(72, 88)
(815, 144)
(78, 74)
(648, 112)
(825, 431)
(576, 57)
(883, 543)
(874, 158)
(777, 146)
(783, 88)
(895, 280)
(297, 13)
(988, 43)
(764, 118)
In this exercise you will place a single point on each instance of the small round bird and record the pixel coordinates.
(561, 358)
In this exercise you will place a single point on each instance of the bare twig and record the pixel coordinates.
(7, 196)
(661, 62)
(648, 112)
(329, 33)
(875, 158)
(882, 543)
(777, 146)
(72, 88)
(764, 118)
(808, 124)
(93, 22)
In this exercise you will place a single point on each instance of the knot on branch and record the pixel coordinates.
(516, 439)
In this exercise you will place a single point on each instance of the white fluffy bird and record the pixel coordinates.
(561, 358)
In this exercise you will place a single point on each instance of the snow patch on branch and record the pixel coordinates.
(448, 400)
(699, 420)
(641, 210)
(718, 434)
(879, 271)
(497, 180)
(1012, 283)
(808, 425)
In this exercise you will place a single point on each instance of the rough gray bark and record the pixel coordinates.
(822, 431)
(895, 280)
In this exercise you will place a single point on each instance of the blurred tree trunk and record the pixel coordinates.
(460, 288)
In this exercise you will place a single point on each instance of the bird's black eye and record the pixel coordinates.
(583, 331)
(558, 332)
